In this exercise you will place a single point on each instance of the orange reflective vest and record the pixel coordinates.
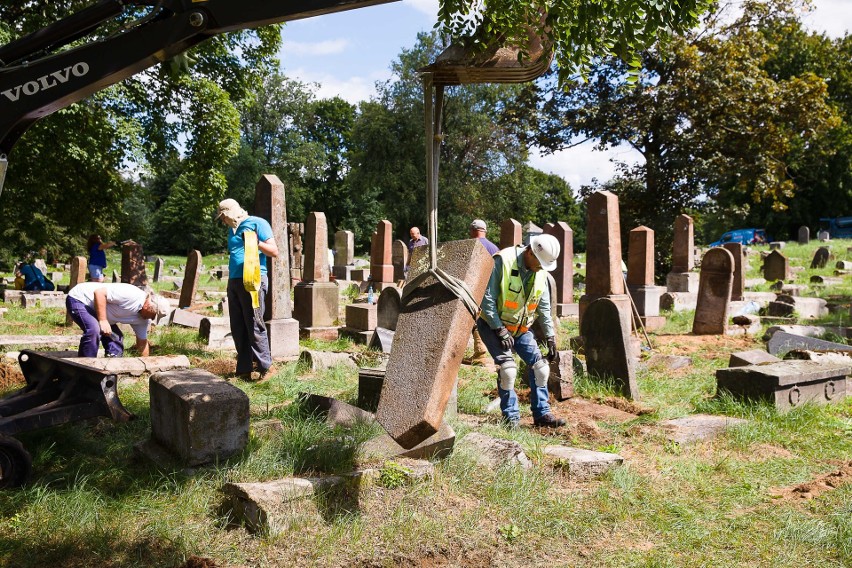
(518, 310)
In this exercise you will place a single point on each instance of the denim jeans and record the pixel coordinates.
(527, 349)
(85, 317)
(247, 327)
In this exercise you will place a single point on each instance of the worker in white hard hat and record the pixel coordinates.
(517, 295)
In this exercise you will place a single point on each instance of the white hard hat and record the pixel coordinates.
(546, 250)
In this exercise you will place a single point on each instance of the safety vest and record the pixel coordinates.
(517, 310)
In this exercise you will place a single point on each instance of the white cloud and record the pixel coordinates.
(327, 47)
(428, 7)
(351, 89)
(578, 165)
(830, 16)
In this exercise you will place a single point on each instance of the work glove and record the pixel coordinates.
(506, 339)
(551, 349)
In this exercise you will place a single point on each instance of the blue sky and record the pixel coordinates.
(346, 53)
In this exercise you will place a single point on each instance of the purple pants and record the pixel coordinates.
(85, 317)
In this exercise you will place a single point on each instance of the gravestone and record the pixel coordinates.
(603, 253)
(530, 230)
(423, 367)
(159, 263)
(776, 267)
(777, 245)
(79, 273)
(381, 255)
(563, 274)
(640, 277)
(344, 254)
(823, 236)
(316, 299)
(399, 259)
(782, 342)
(804, 235)
(821, 257)
(681, 278)
(389, 306)
(560, 383)
(133, 264)
(190, 279)
(511, 234)
(361, 320)
(605, 328)
(282, 328)
(714, 293)
(738, 286)
(295, 232)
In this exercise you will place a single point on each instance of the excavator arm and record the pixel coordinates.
(36, 79)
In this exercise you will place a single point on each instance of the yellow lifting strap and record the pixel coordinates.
(251, 267)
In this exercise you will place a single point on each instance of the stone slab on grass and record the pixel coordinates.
(494, 452)
(41, 342)
(134, 366)
(698, 427)
(583, 464)
(781, 342)
(752, 357)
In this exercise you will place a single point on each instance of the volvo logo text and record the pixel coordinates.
(46, 82)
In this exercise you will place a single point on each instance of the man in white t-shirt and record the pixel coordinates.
(98, 307)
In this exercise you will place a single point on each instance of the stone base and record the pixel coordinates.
(343, 272)
(358, 336)
(653, 323)
(327, 333)
(682, 282)
(359, 274)
(362, 316)
(568, 310)
(283, 338)
(678, 301)
(216, 333)
(316, 304)
(647, 299)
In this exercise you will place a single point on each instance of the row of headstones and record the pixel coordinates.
(804, 236)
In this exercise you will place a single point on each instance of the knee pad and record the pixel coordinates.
(506, 375)
(541, 372)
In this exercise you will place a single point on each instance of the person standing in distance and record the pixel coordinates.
(478, 230)
(247, 326)
(517, 295)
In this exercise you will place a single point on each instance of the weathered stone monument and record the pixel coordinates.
(283, 330)
(295, 232)
(605, 328)
(399, 259)
(714, 293)
(563, 275)
(133, 264)
(681, 278)
(738, 286)
(821, 257)
(804, 235)
(344, 254)
(190, 279)
(79, 273)
(389, 307)
(423, 367)
(640, 278)
(776, 266)
(316, 299)
(823, 236)
(530, 230)
(381, 256)
(159, 263)
(511, 234)
(603, 253)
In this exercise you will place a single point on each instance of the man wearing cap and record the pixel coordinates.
(247, 326)
(98, 307)
(517, 295)
(477, 230)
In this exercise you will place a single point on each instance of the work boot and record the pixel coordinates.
(548, 421)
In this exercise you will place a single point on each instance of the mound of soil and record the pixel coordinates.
(10, 374)
(817, 486)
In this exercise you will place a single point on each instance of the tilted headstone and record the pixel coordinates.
(804, 235)
(605, 328)
(776, 266)
(782, 342)
(511, 234)
(190, 279)
(423, 367)
(381, 265)
(738, 286)
(133, 264)
(389, 306)
(344, 248)
(283, 330)
(159, 263)
(821, 257)
(714, 293)
(399, 259)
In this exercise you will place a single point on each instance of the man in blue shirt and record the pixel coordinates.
(477, 230)
(247, 326)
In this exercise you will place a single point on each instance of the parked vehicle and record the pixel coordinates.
(743, 236)
(837, 227)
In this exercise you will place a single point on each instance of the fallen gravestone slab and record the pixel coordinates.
(336, 412)
(382, 339)
(267, 506)
(753, 357)
(583, 464)
(560, 383)
(698, 427)
(494, 453)
(319, 360)
(781, 342)
(43, 342)
(134, 366)
(437, 446)
(786, 384)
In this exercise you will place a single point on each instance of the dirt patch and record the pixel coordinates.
(817, 486)
(221, 367)
(624, 405)
(10, 374)
(760, 452)
(709, 346)
(578, 409)
(199, 562)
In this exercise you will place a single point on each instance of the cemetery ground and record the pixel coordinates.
(773, 491)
